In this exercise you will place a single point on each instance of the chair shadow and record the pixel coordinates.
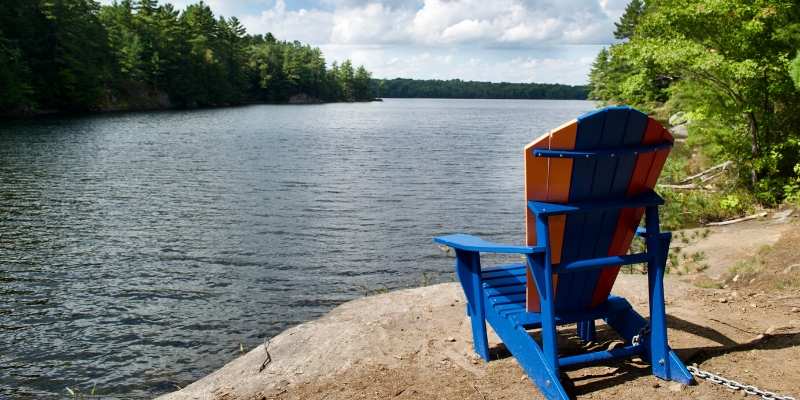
(629, 370)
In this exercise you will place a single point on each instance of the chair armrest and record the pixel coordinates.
(544, 209)
(471, 243)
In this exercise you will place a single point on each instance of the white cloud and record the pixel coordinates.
(370, 23)
(512, 40)
(569, 65)
(512, 22)
(310, 26)
(496, 23)
(468, 29)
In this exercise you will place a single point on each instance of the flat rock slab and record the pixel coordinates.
(416, 343)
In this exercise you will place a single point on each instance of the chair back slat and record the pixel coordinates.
(571, 180)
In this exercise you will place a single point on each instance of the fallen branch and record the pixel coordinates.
(269, 357)
(722, 166)
(690, 186)
(733, 221)
(707, 178)
(734, 326)
(478, 391)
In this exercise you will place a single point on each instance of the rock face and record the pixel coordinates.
(680, 125)
(303, 98)
(417, 343)
(678, 118)
(382, 329)
(680, 131)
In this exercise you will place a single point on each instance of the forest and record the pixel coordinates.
(76, 55)
(727, 71)
(456, 88)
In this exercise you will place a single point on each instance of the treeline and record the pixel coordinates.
(75, 55)
(728, 67)
(458, 89)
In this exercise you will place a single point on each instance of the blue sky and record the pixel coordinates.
(551, 41)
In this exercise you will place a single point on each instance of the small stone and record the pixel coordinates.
(795, 310)
(523, 377)
(791, 268)
(723, 300)
(474, 361)
(736, 278)
(754, 305)
(656, 385)
(675, 387)
(450, 339)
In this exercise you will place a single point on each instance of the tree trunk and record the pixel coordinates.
(754, 147)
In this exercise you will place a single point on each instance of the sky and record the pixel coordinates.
(549, 41)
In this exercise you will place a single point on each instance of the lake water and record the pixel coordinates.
(139, 250)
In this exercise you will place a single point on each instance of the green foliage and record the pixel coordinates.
(74, 55)
(792, 187)
(694, 208)
(728, 65)
(630, 18)
(794, 71)
(691, 208)
(458, 89)
(14, 76)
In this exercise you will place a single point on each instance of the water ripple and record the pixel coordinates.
(138, 251)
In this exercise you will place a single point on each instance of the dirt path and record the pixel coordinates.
(416, 343)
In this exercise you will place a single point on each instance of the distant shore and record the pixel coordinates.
(138, 107)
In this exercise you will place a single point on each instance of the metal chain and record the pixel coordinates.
(733, 385)
(643, 332)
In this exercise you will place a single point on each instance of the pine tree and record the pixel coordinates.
(345, 80)
(627, 23)
(361, 90)
(598, 75)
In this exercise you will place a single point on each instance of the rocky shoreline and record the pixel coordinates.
(416, 343)
(159, 102)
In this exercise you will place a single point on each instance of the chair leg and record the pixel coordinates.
(549, 337)
(628, 323)
(664, 361)
(468, 267)
(658, 324)
(658, 247)
(586, 331)
(529, 355)
(541, 270)
(479, 338)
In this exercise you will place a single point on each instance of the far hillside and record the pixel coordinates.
(458, 89)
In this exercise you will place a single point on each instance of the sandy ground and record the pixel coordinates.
(416, 343)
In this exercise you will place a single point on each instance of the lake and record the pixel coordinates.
(139, 251)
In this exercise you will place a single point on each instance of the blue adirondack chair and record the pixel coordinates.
(587, 185)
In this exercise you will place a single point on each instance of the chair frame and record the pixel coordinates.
(541, 362)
